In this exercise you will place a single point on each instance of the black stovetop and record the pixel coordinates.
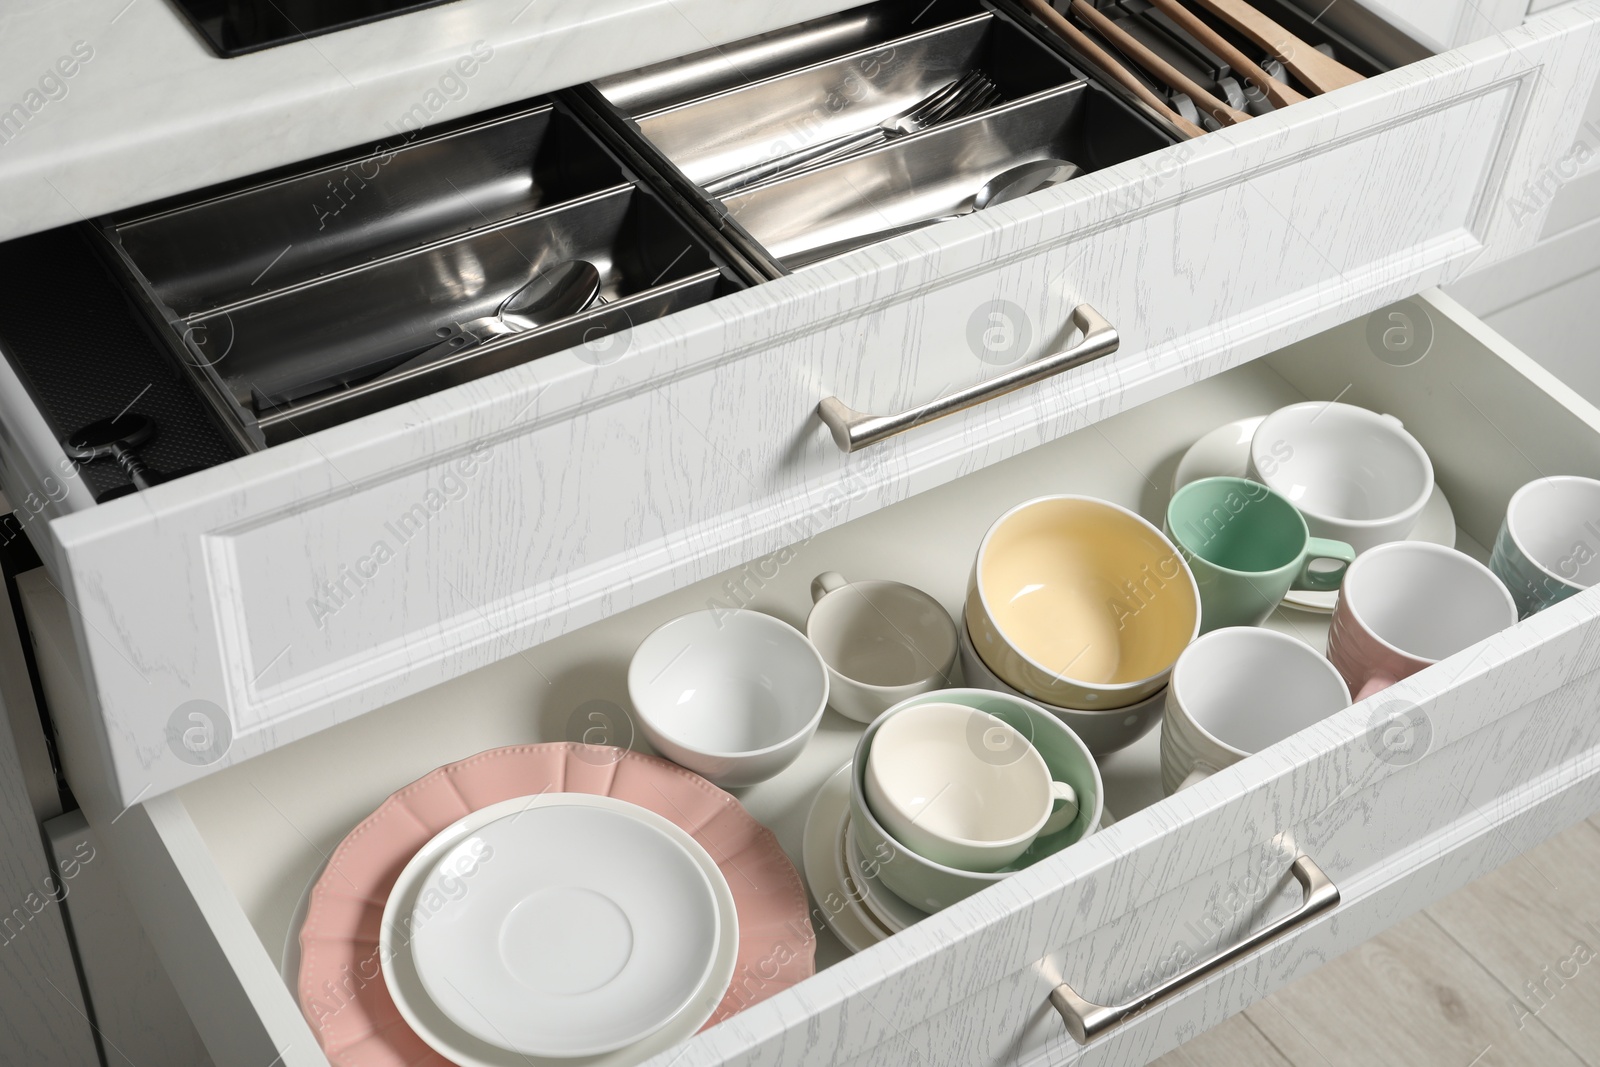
(235, 27)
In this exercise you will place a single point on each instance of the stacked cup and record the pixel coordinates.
(955, 790)
(1082, 606)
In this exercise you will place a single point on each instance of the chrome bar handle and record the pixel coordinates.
(854, 430)
(1087, 1021)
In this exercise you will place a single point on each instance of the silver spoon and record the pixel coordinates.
(1009, 184)
(554, 293)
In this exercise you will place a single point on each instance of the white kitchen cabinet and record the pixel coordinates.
(259, 588)
(571, 503)
(1500, 749)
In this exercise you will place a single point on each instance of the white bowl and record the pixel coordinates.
(1357, 476)
(732, 695)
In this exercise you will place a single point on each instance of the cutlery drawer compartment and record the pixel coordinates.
(834, 209)
(410, 191)
(1508, 756)
(276, 355)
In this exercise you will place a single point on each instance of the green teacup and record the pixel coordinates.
(1247, 546)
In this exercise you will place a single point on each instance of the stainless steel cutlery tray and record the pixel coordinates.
(698, 132)
(844, 205)
(288, 299)
(403, 193)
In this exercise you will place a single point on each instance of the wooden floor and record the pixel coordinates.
(1505, 971)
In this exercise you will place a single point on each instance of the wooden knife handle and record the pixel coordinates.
(1280, 94)
(1177, 79)
(1306, 63)
(1086, 47)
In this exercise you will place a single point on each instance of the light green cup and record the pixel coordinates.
(1247, 546)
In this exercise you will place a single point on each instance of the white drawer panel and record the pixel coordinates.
(1513, 754)
(260, 587)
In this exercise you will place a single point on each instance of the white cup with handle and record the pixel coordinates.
(961, 787)
(1236, 691)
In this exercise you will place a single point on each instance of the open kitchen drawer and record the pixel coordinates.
(1399, 799)
(324, 577)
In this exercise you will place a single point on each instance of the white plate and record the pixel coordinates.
(890, 910)
(400, 934)
(1225, 451)
(855, 899)
(819, 855)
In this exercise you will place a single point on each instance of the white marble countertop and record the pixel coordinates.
(105, 104)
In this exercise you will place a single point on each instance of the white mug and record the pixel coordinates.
(883, 642)
(1236, 691)
(961, 787)
(1356, 476)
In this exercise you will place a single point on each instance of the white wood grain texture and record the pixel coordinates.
(1445, 24)
(1535, 926)
(1513, 758)
(1410, 995)
(1556, 327)
(232, 991)
(43, 1020)
(138, 1014)
(606, 487)
(1524, 278)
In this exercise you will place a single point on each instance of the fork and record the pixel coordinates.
(952, 100)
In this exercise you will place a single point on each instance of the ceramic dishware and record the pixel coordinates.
(1548, 547)
(1247, 547)
(1236, 691)
(359, 1027)
(558, 925)
(1103, 731)
(1225, 452)
(1357, 476)
(1407, 605)
(733, 695)
(1080, 603)
(882, 642)
(895, 914)
(930, 886)
(825, 824)
(962, 787)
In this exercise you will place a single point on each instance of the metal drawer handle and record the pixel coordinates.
(1086, 1021)
(853, 430)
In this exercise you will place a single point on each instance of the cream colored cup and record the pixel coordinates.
(962, 787)
(1080, 603)
(883, 642)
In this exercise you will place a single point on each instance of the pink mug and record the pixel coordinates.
(1407, 605)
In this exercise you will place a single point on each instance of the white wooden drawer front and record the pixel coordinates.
(1506, 751)
(328, 576)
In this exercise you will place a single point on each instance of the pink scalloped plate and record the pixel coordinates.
(341, 986)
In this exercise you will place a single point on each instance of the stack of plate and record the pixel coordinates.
(483, 918)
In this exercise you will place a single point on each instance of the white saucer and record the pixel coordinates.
(1225, 451)
(431, 922)
(891, 911)
(824, 866)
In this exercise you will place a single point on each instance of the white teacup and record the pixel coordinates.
(883, 642)
(1236, 691)
(1356, 476)
(961, 787)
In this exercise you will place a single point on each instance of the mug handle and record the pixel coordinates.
(1065, 801)
(825, 583)
(1377, 683)
(1319, 548)
(1201, 772)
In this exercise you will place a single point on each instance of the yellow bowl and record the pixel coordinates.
(1080, 603)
